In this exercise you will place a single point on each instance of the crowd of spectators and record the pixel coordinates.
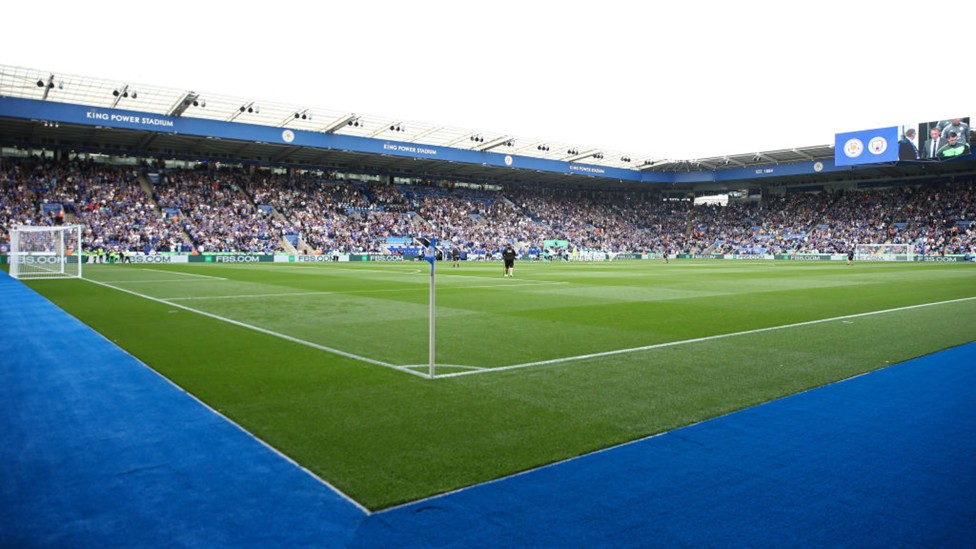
(935, 219)
(215, 215)
(236, 211)
(107, 201)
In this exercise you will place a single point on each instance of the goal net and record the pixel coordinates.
(45, 252)
(884, 252)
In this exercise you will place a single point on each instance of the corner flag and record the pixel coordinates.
(430, 255)
(430, 250)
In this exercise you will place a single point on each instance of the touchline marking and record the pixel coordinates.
(479, 368)
(501, 284)
(264, 330)
(351, 292)
(186, 274)
(610, 448)
(700, 339)
(459, 276)
(237, 426)
(245, 296)
(159, 281)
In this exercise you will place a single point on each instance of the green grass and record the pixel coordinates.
(384, 436)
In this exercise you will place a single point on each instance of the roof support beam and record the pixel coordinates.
(803, 154)
(189, 98)
(494, 143)
(648, 164)
(48, 87)
(119, 94)
(726, 160)
(392, 127)
(582, 156)
(340, 123)
(247, 107)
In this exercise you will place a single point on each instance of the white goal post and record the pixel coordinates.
(884, 252)
(45, 252)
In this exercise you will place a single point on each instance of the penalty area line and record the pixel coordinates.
(701, 339)
(263, 330)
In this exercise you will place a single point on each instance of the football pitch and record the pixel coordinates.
(329, 363)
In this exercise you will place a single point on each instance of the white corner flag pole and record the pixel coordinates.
(433, 259)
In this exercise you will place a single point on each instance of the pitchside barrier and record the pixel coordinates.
(168, 257)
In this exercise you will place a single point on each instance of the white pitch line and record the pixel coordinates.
(159, 281)
(287, 294)
(700, 339)
(353, 269)
(247, 433)
(351, 292)
(504, 285)
(459, 276)
(448, 366)
(245, 296)
(186, 274)
(614, 447)
(264, 330)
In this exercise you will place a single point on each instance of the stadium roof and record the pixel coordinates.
(93, 92)
(81, 90)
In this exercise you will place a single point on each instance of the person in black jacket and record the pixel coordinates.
(508, 256)
(907, 150)
(933, 143)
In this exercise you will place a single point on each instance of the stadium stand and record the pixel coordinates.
(230, 210)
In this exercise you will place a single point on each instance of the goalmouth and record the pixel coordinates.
(45, 252)
(884, 252)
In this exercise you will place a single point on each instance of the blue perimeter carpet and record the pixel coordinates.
(96, 450)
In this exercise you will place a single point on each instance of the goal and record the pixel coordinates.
(884, 252)
(45, 252)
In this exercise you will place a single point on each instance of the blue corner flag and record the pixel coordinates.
(430, 254)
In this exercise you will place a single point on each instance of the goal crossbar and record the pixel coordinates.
(884, 252)
(45, 252)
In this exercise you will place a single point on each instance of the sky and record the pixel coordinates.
(678, 80)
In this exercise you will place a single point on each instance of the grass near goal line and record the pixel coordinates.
(326, 362)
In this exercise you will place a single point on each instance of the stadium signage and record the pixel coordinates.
(158, 258)
(805, 257)
(39, 259)
(236, 259)
(101, 116)
(877, 258)
(866, 146)
(586, 169)
(129, 119)
(375, 257)
(231, 258)
(313, 258)
(303, 258)
(943, 259)
(748, 256)
(400, 147)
